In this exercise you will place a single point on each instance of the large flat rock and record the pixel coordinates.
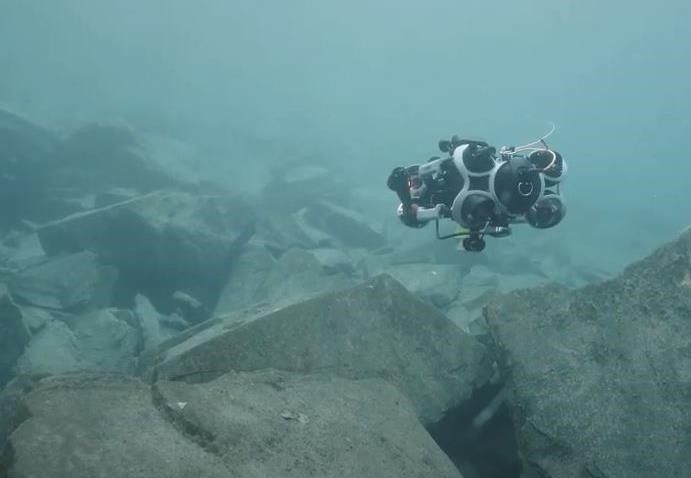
(601, 377)
(284, 424)
(245, 425)
(376, 329)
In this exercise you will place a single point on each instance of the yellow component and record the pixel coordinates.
(461, 229)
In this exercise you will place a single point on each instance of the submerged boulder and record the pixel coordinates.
(161, 243)
(241, 424)
(375, 329)
(600, 378)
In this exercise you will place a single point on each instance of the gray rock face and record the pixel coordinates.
(185, 242)
(601, 377)
(245, 425)
(73, 283)
(14, 335)
(376, 329)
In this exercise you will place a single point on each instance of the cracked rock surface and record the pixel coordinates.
(273, 423)
(251, 425)
(101, 426)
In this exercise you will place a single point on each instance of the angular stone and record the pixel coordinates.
(246, 283)
(335, 261)
(295, 186)
(149, 320)
(440, 284)
(260, 281)
(347, 226)
(470, 321)
(24, 251)
(52, 351)
(35, 318)
(73, 283)
(376, 329)
(601, 376)
(106, 342)
(482, 277)
(281, 231)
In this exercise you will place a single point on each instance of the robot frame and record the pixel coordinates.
(483, 190)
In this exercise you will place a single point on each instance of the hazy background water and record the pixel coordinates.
(367, 85)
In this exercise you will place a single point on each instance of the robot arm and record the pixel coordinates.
(399, 182)
(411, 211)
(417, 216)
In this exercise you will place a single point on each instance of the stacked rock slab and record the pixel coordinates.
(374, 330)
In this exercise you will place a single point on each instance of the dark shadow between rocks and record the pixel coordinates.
(479, 435)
